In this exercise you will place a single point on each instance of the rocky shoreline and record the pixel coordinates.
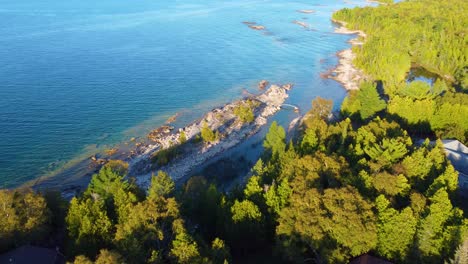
(193, 153)
(187, 151)
(346, 72)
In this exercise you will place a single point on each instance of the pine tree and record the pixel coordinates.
(162, 185)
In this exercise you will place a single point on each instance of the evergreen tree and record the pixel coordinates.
(396, 230)
(331, 227)
(89, 227)
(370, 100)
(162, 185)
(275, 139)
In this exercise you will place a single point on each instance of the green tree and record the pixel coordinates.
(275, 139)
(245, 229)
(245, 211)
(81, 259)
(183, 249)
(430, 236)
(182, 137)
(24, 217)
(220, 253)
(321, 109)
(9, 220)
(448, 180)
(383, 142)
(244, 112)
(310, 141)
(371, 102)
(207, 134)
(201, 201)
(396, 230)
(162, 185)
(277, 196)
(366, 101)
(391, 184)
(253, 191)
(333, 226)
(147, 228)
(111, 186)
(88, 225)
(110, 177)
(109, 257)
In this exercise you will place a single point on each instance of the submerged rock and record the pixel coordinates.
(158, 133)
(172, 119)
(257, 27)
(301, 23)
(306, 11)
(288, 86)
(253, 25)
(263, 84)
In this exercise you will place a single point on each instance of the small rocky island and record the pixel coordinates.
(179, 152)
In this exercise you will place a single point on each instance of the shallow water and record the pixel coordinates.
(80, 75)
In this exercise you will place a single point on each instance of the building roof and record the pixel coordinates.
(457, 153)
(455, 145)
(31, 254)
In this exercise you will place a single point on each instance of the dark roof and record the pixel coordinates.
(368, 259)
(31, 254)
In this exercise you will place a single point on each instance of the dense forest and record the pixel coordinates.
(432, 35)
(340, 188)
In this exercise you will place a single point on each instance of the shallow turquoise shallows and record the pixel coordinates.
(79, 75)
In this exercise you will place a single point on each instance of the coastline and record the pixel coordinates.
(139, 152)
(346, 72)
(192, 153)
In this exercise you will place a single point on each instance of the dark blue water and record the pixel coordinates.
(80, 75)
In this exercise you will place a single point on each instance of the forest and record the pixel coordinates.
(343, 189)
(422, 34)
(374, 180)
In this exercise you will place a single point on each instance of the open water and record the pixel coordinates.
(78, 76)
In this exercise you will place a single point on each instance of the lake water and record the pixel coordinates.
(77, 76)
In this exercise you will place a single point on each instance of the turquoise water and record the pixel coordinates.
(80, 75)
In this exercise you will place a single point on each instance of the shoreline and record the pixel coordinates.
(193, 154)
(346, 73)
(224, 121)
(139, 152)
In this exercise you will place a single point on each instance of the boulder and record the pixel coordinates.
(263, 84)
